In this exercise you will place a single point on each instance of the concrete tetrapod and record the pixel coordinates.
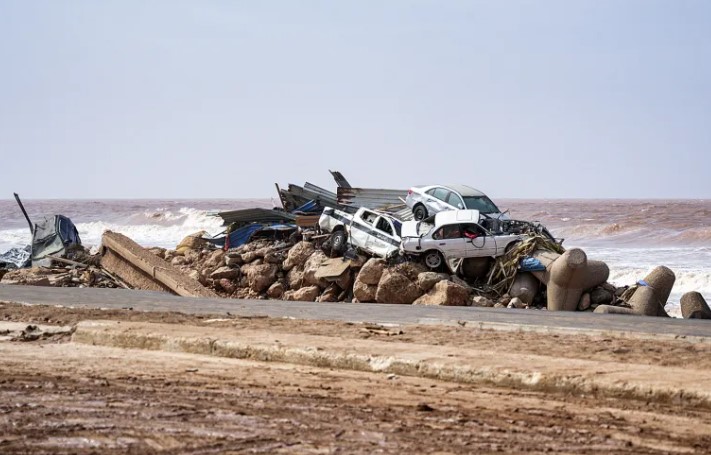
(693, 306)
(661, 279)
(568, 275)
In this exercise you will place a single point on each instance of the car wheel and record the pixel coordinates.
(433, 259)
(338, 243)
(419, 212)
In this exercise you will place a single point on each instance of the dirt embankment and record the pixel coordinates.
(61, 397)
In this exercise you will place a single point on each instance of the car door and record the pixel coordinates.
(383, 240)
(455, 201)
(436, 201)
(480, 243)
(449, 240)
(362, 227)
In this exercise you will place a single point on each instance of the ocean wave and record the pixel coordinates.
(162, 228)
(643, 234)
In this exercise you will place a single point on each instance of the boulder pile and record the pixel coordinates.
(301, 271)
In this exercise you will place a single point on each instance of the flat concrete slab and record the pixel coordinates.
(487, 318)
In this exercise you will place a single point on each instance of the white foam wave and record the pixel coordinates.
(185, 222)
(166, 230)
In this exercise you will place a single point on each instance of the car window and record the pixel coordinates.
(454, 200)
(431, 191)
(368, 217)
(398, 227)
(481, 203)
(384, 226)
(471, 230)
(450, 231)
(441, 194)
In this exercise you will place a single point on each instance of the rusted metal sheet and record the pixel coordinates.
(391, 201)
(307, 220)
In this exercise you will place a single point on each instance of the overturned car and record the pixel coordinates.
(374, 232)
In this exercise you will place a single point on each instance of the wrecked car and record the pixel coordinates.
(425, 201)
(374, 232)
(454, 234)
(53, 235)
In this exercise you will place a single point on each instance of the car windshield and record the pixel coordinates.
(481, 203)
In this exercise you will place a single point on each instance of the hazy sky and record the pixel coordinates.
(207, 99)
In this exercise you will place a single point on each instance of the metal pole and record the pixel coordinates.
(24, 212)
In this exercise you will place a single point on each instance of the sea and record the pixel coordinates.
(631, 236)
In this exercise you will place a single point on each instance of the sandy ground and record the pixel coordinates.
(61, 397)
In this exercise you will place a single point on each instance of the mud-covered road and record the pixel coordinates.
(61, 397)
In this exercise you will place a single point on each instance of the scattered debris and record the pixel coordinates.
(347, 247)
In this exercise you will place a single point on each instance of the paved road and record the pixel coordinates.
(582, 322)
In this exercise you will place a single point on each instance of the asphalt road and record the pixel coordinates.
(502, 319)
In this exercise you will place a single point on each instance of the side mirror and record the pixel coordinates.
(461, 207)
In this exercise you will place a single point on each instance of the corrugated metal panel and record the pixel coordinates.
(340, 179)
(256, 215)
(310, 191)
(390, 201)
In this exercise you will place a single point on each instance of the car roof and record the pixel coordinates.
(463, 190)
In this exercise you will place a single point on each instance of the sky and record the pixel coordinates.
(222, 99)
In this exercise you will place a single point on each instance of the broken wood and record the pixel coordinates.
(144, 270)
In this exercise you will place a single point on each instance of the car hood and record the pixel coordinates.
(415, 229)
(409, 229)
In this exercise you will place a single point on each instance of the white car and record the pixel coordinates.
(375, 232)
(425, 201)
(455, 234)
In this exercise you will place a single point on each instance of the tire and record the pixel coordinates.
(338, 243)
(433, 259)
(419, 212)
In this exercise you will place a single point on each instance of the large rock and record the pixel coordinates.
(525, 286)
(225, 272)
(427, 280)
(601, 296)
(371, 271)
(215, 259)
(295, 278)
(233, 259)
(305, 294)
(298, 255)
(395, 287)
(330, 294)
(410, 269)
(445, 293)
(311, 266)
(192, 256)
(276, 290)
(227, 285)
(260, 277)
(192, 242)
(364, 292)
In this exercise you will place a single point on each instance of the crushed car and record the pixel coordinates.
(375, 232)
(454, 234)
(53, 235)
(426, 201)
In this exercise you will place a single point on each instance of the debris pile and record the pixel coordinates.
(285, 254)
